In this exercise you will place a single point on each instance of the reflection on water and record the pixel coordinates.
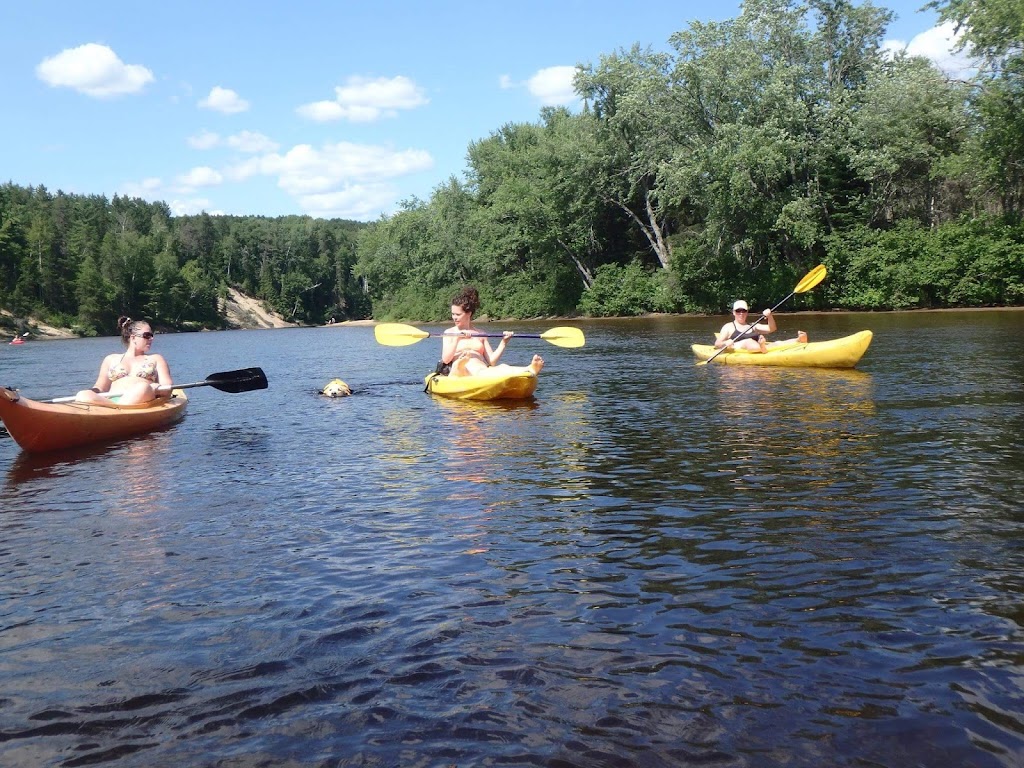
(650, 564)
(820, 418)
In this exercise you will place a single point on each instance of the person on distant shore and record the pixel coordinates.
(739, 334)
(135, 376)
(463, 349)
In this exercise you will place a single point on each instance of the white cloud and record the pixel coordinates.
(204, 140)
(251, 142)
(200, 176)
(553, 85)
(333, 180)
(357, 201)
(94, 70)
(224, 100)
(304, 169)
(363, 100)
(505, 82)
(937, 45)
(321, 111)
(192, 206)
(148, 189)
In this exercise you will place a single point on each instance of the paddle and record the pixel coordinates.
(233, 382)
(399, 335)
(810, 280)
(243, 380)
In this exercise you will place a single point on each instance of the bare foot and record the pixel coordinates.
(801, 336)
(536, 364)
(762, 343)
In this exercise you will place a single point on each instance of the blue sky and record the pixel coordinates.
(327, 108)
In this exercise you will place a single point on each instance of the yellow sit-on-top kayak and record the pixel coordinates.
(38, 426)
(845, 352)
(499, 383)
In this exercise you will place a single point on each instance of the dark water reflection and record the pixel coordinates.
(652, 564)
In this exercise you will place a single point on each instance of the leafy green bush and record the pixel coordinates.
(621, 291)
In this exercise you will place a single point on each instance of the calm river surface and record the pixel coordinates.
(651, 564)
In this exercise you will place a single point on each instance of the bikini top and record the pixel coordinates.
(145, 371)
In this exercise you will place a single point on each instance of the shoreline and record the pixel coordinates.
(39, 331)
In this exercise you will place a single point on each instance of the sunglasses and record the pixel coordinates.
(146, 335)
(740, 311)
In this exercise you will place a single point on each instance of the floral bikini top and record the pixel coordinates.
(145, 371)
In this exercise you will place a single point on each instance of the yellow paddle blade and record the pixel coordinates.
(811, 279)
(398, 334)
(565, 336)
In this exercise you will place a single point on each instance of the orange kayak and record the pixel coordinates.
(38, 426)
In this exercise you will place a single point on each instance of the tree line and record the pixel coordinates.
(755, 149)
(79, 261)
(752, 150)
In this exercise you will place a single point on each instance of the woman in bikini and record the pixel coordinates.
(136, 376)
(739, 334)
(464, 349)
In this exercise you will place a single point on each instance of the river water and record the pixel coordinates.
(650, 564)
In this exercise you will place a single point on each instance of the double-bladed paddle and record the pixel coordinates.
(400, 335)
(810, 280)
(243, 380)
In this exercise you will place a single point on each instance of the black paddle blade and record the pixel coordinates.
(244, 380)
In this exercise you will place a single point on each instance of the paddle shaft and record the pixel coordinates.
(244, 380)
(74, 398)
(401, 335)
(490, 335)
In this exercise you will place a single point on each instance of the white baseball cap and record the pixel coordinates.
(741, 304)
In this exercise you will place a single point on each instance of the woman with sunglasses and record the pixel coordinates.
(136, 376)
(740, 334)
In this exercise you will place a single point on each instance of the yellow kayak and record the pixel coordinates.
(844, 352)
(498, 383)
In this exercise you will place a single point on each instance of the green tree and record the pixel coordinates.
(95, 296)
(629, 98)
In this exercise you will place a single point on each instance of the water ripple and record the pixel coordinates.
(652, 564)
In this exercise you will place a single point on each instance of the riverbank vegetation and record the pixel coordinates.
(80, 261)
(727, 166)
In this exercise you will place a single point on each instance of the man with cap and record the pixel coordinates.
(740, 334)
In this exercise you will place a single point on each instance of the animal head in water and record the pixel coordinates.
(336, 388)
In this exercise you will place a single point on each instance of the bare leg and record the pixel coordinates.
(800, 339)
(88, 396)
(748, 344)
(467, 365)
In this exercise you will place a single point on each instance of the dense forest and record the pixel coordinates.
(80, 261)
(753, 150)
